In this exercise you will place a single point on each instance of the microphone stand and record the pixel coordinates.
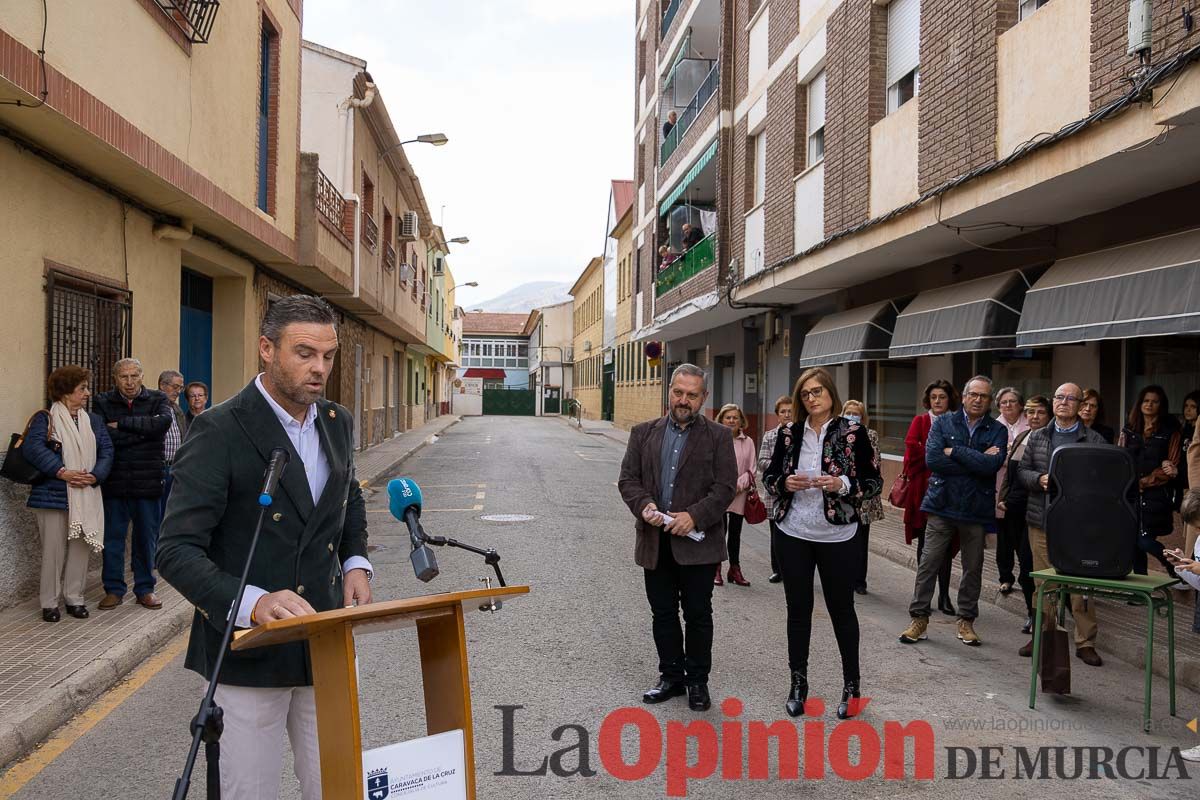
(490, 556)
(207, 725)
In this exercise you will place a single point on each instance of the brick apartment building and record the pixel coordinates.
(907, 190)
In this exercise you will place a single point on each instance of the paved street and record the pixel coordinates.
(579, 647)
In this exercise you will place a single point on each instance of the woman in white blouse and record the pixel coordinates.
(823, 468)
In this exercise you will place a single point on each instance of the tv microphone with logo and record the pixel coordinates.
(404, 501)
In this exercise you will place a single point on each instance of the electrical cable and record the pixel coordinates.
(45, 92)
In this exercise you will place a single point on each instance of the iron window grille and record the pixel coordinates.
(89, 325)
(194, 17)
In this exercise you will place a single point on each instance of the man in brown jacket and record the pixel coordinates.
(681, 465)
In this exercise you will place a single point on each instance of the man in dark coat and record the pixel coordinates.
(138, 419)
(682, 465)
(311, 555)
(964, 451)
(1034, 474)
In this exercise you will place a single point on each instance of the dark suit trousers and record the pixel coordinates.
(668, 587)
(838, 564)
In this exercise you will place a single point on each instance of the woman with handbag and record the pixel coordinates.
(72, 450)
(909, 489)
(731, 416)
(871, 510)
(822, 471)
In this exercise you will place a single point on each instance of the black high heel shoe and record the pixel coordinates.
(945, 606)
(851, 690)
(798, 694)
(50, 615)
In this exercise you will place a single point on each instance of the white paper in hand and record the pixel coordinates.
(695, 536)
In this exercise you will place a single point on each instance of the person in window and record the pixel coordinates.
(822, 471)
(1092, 414)
(940, 397)
(669, 125)
(73, 451)
(1012, 417)
(692, 236)
(731, 417)
(872, 509)
(783, 411)
(1155, 439)
(1013, 500)
(666, 257)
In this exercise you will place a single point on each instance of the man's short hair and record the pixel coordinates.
(298, 308)
(1190, 509)
(694, 371)
(126, 362)
(167, 375)
(983, 378)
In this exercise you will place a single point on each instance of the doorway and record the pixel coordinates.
(195, 328)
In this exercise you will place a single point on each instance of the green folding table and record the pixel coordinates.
(1152, 591)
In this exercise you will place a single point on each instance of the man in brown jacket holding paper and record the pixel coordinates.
(678, 476)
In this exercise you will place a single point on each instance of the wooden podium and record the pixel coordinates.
(439, 620)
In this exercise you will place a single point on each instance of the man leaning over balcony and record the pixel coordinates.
(692, 236)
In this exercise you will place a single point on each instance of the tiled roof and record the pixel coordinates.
(622, 197)
(488, 322)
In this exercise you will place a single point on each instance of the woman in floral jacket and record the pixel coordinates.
(823, 469)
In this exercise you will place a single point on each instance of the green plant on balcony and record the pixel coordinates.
(690, 264)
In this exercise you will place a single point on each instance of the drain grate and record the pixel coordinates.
(507, 518)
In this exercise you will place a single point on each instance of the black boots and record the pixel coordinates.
(797, 695)
(851, 694)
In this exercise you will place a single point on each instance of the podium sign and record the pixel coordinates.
(431, 768)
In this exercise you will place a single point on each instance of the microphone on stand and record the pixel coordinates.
(279, 460)
(405, 504)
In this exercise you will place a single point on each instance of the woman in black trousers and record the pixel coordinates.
(822, 469)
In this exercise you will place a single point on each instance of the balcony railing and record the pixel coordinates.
(194, 17)
(370, 231)
(669, 15)
(389, 256)
(330, 203)
(689, 265)
(708, 87)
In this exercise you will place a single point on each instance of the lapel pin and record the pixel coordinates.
(332, 414)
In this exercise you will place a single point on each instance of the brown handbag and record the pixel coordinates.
(1056, 662)
(898, 496)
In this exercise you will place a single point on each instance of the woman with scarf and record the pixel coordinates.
(72, 450)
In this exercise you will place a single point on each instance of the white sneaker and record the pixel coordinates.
(1191, 755)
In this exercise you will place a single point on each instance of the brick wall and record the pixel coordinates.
(735, 143)
(1111, 67)
(957, 113)
(785, 25)
(637, 403)
(737, 47)
(693, 134)
(782, 135)
(855, 72)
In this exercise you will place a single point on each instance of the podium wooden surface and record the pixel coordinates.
(441, 635)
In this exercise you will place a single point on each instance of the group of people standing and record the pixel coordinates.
(966, 474)
(101, 471)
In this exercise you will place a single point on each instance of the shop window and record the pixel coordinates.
(892, 402)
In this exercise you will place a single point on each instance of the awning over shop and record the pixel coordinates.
(976, 315)
(1146, 288)
(691, 175)
(486, 374)
(860, 334)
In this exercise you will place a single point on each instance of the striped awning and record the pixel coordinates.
(1146, 288)
(691, 175)
(975, 315)
(860, 334)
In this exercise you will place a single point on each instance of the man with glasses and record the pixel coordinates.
(964, 450)
(1067, 428)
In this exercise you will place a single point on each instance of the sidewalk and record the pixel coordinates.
(594, 427)
(49, 673)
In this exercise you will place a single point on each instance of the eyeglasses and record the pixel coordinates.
(1065, 398)
(813, 393)
(976, 395)
(1009, 402)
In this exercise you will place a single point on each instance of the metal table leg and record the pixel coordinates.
(1171, 646)
(1149, 660)
(1037, 642)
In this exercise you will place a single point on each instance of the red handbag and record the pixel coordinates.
(755, 510)
(898, 496)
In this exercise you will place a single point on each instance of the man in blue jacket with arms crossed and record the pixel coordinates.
(964, 451)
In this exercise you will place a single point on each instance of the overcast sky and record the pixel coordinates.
(537, 99)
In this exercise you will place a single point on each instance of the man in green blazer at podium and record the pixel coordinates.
(311, 555)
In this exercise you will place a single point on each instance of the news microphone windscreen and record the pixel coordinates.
(403, 493)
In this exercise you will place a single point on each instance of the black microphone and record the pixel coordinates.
(405, 504)
(278, 460)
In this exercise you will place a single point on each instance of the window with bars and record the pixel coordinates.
(87, 324)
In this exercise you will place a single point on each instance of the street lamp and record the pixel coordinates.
(435, 139)
(459, 240)
(472, 284)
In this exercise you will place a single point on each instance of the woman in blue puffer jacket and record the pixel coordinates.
(72, 450)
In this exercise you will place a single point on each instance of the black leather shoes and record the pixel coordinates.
(1027, 628)
(50, 615)
(850, 697)
(664, 690)
(945, 606)
(798, 694)
(78, 612)
(698, 699)
(775, 578)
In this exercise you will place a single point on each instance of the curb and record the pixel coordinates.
(406, 454)
(25, 731)
(1124, 649)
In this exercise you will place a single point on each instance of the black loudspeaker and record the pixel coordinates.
(1092, 516)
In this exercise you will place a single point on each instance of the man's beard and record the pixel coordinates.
(298, 393)
(682, 414)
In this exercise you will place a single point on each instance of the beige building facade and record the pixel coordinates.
(587, 315)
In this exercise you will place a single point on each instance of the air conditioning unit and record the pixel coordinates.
(409, 226)
(439, 266)
(569, 355)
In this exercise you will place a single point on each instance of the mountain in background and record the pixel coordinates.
(525, 298)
